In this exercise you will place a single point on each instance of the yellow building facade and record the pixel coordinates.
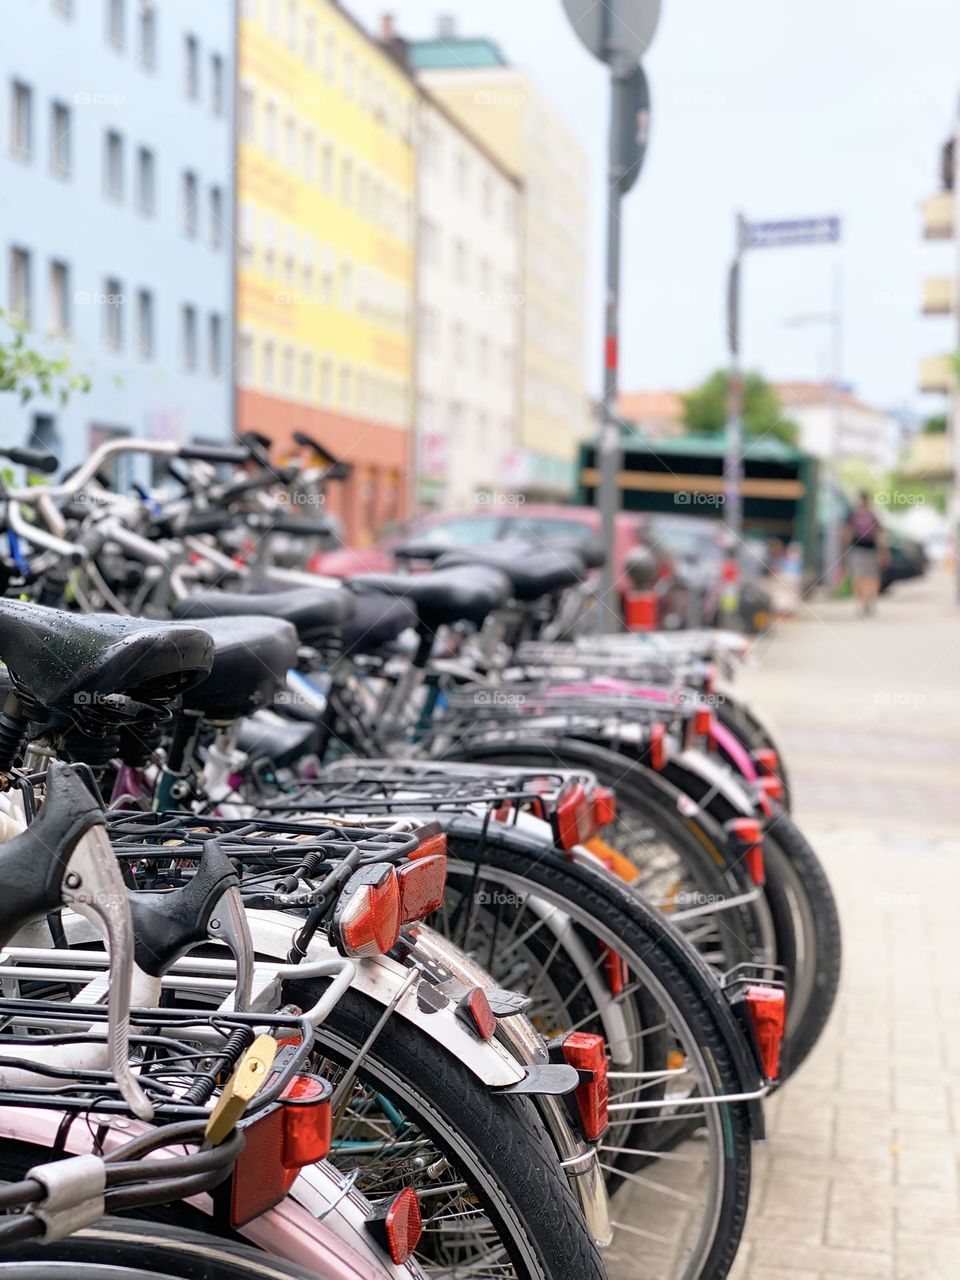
(325, 247)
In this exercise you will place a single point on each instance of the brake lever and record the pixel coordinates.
(64, 859)
(167, 923)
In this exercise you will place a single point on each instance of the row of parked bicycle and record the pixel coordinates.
(387, 928)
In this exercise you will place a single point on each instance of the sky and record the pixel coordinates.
(780, 109)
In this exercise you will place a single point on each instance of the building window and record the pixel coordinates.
(247, 235)
(189, 195)
(328, 168)
(290, 143)
(216, 84)
(60, 139)
(248, 114)
(58, 299)
(21, 120)
(147, 35)
(20, 290)
(273, 17)
(146, 182)
(145, 324)
(113, 166)
(191, 67)
(215, 342)
(346, 285)
(245, 360)
(270, 245)
(348, 74)
(326, 380)
(306, 375)
(287, 383)
(268, 367)
(346, 180)
(115, 23)
(460, 261)
(309, 155)
(310, 41)
(292, 25)
(330, 57)
(216, 217)
(188, 338)
(270, 129)
(112, 302)
(346, 387)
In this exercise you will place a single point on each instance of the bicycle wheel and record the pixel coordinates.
(102, 1252)
(679, 854)
(546, 925)
(741, 720)
(494, 1199)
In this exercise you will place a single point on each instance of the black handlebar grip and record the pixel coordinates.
(166, 924)
(265, 480)
(32, 864)
(35, 459)
(90, 543)
(212, 520)
(213, 453)
(257, 445)
(299, 526)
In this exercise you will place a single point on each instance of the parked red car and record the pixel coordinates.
(529, 522)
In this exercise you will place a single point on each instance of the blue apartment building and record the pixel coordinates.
(116, 214)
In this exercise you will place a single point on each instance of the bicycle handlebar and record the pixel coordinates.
(35, 459)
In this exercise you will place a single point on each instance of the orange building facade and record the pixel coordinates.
(325, 252)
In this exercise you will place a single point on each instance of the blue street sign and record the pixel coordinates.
(795, 231)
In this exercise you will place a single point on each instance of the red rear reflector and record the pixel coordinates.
(278, 1144)
(306, 1121)
(703, 722)
(422, 886)
(573, 817)
(658, 746)
(366, 921)
(772, 788)
(403, 1225)
(475, 1009)
(430, 844)
(768, 1014)
(750, 836)
(767, 762)
(640, 611)
(588, 1054)
(616, 970)
(604, 806)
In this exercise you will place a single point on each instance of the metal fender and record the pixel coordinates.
(719, 776)
(320, 1225)
(383, 979)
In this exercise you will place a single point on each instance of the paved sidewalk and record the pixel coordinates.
(859, 1175)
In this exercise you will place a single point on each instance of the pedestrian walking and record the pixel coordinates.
(866, 549)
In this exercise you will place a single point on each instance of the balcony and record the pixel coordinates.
(939, 296)
(939, 218)
(936, 374)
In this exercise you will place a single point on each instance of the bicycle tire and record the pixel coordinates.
(511, 1156)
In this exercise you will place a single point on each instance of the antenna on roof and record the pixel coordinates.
(446, 26)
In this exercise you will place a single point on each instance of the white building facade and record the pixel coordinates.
(469, 314)
(846, 429)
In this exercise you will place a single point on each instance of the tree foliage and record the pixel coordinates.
(935, 425)
(28, 372)
(705, 409)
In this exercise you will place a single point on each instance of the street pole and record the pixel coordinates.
(955, 393)
(733, 463)
(609, 442)
(832, 549)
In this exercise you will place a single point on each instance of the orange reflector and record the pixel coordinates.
(475, 1010)
(621, 867)
(403, 1226)
(767, 762)
(772, 788)
(422, 885)
(366, 921)
(573, 817)
(616, 970)
(767, 1007)
(604, 806)
(588, 1054)
(658, 746)
(431, 841)
(750, 836)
